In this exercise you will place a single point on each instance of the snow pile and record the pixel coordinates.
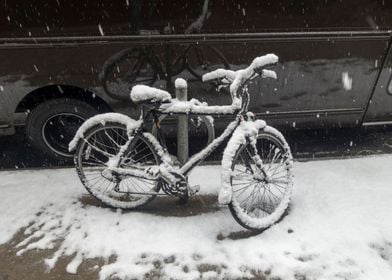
(339, 227)
(142, 93)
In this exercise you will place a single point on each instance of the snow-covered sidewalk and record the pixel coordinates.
(339, 226)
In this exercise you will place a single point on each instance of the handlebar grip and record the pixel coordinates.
(268, 74)
(261, 62)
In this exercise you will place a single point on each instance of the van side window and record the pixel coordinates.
(37, 18)
(104, 17)
(231, 16)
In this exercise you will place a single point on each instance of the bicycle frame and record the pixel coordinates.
(206, 151)
(201, 155)
(256, 155)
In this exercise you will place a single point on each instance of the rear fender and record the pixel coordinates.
(130, 124)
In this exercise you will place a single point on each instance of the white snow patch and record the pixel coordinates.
(339, 226)
(129, 123)
(237, 78)
(101, 30)
(142, 93)
(257, 63)
(229, 75)
(198, 107)
(180, 83)
(347, 81)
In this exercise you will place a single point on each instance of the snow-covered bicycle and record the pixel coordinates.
(124, 166)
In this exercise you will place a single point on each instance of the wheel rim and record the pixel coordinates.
(259, 197)
(59, 130)
(114, 190)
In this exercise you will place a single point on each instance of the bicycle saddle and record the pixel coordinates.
(146, 94)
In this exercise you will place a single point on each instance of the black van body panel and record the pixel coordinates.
(333, 54)
(379, 110)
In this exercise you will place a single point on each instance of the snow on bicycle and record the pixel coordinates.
(124, 166)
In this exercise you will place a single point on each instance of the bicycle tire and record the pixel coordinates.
(258, 212)
(115, 192)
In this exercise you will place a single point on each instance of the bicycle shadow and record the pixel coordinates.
(238, 235)
(167, 206)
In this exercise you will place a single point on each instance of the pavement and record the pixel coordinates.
(15, 153)
(338, 227)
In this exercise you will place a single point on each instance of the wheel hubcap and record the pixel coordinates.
(59, 130)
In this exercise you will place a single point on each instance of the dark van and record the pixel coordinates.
(63, 61)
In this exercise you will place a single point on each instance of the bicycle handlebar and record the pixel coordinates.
(256, 67)
(237, 78)
(219, 75)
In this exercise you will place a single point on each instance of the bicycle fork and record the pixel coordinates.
(260, 174)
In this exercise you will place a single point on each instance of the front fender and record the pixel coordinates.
(246, 130)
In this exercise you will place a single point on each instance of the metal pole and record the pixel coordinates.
(182, 122)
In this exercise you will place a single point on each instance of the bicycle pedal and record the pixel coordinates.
(194, 189)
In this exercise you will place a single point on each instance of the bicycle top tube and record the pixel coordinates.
(196, 107)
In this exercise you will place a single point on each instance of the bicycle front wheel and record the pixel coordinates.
(99, 146)
(258, 202)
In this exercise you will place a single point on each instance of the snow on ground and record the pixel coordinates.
(339, 227)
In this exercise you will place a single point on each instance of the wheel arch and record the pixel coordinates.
(42, 94)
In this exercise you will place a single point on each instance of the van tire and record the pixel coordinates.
(51, 125)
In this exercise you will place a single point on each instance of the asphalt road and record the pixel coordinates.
(15, 152)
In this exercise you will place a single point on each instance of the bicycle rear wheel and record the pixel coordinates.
(258, 203)
(100, 145)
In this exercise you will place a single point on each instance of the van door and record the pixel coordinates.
(379, 110)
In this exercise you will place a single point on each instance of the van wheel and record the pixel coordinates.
(51, 125)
